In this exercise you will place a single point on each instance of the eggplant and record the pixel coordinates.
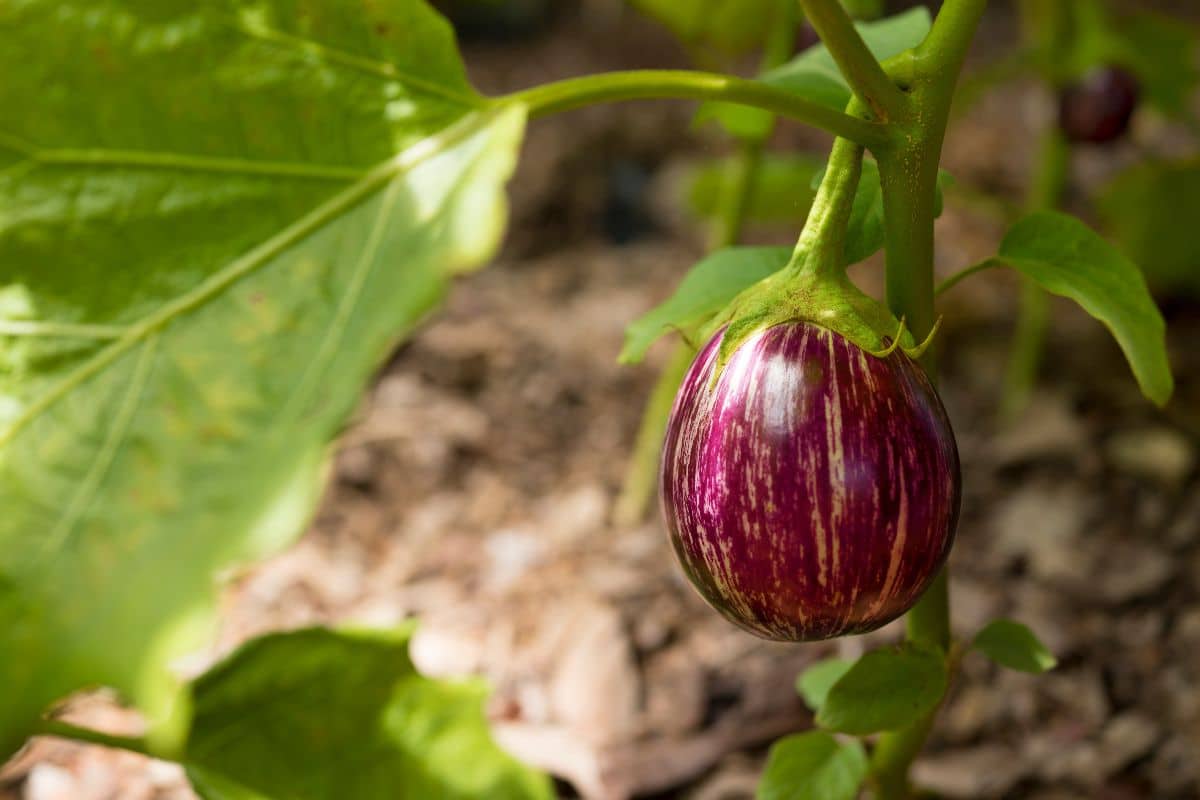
(1097, 108)
(811, 488)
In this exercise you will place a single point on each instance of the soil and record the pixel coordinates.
(475, 489)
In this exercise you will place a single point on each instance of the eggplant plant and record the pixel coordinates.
(218, 217)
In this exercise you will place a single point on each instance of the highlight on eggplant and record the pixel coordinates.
(812, 490)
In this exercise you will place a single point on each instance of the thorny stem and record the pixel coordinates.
(908, 174)
(610, 87)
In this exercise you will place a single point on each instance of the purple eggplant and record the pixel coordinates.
(812, 489)
(1097, 108)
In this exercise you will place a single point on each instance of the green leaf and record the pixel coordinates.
(1011, 644)
(813, 766)
(707, 288)
(815, 76)
(885, 690)
(1149, 209)
(316, 714)
(816, 681)
(1067, 258)
(730, 26)
(216, 220)
(782, 189)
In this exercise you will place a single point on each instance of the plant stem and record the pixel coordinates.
(862, 71)
(908, 175)
(608, 87)
(65, 730)
(821, 247)
(1029, 339)
(641, 477)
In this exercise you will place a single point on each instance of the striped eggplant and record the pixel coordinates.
(812, 489)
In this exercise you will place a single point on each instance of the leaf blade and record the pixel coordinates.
(281, 716)
(885, 690)
(1013, 645)
(1065, 257)
(813, 766)
(706, 289)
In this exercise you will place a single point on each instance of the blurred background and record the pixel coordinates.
(476, 486)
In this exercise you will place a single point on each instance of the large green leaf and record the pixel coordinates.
(813, 766)
(318, 714)
(885, 690)
(707, 288)
(1067, 258)
(216, 219)
(815, 76)
(1150, 210)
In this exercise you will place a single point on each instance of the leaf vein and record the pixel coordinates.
(105, 456)
(332, 55)
(248, 263)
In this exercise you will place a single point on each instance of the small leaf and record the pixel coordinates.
(315, 714)
(813, 766)
(782, 190)
(710, 285)
(885, 690)
(1011, 644)
(816, 681)
(1145, 208)
(815, 76)
(1068, 258)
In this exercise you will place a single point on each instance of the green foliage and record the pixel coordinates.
(813, 766)
(318, 714)
(816, 681)
(200, 268)
(710, 285)
(885, 690)
(782, 189)
(1011, 644)
(730, 26)
(1150, 210)
(814, 75)
(1067, 258)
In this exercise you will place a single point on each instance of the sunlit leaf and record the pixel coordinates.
(215, 220)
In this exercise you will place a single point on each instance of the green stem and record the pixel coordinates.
(908, 175)
(611, 87)
(641, 478)
(65, 730)
(862, 71)
(1029, 338)
(821, 247)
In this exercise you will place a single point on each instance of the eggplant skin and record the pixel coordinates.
(813, 490)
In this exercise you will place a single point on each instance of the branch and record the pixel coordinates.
(857, 63)
(608, 87)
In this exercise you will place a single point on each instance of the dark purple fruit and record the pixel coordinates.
(1098, 107)
(812, 490)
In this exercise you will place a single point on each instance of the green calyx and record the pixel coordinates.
(814, 287)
